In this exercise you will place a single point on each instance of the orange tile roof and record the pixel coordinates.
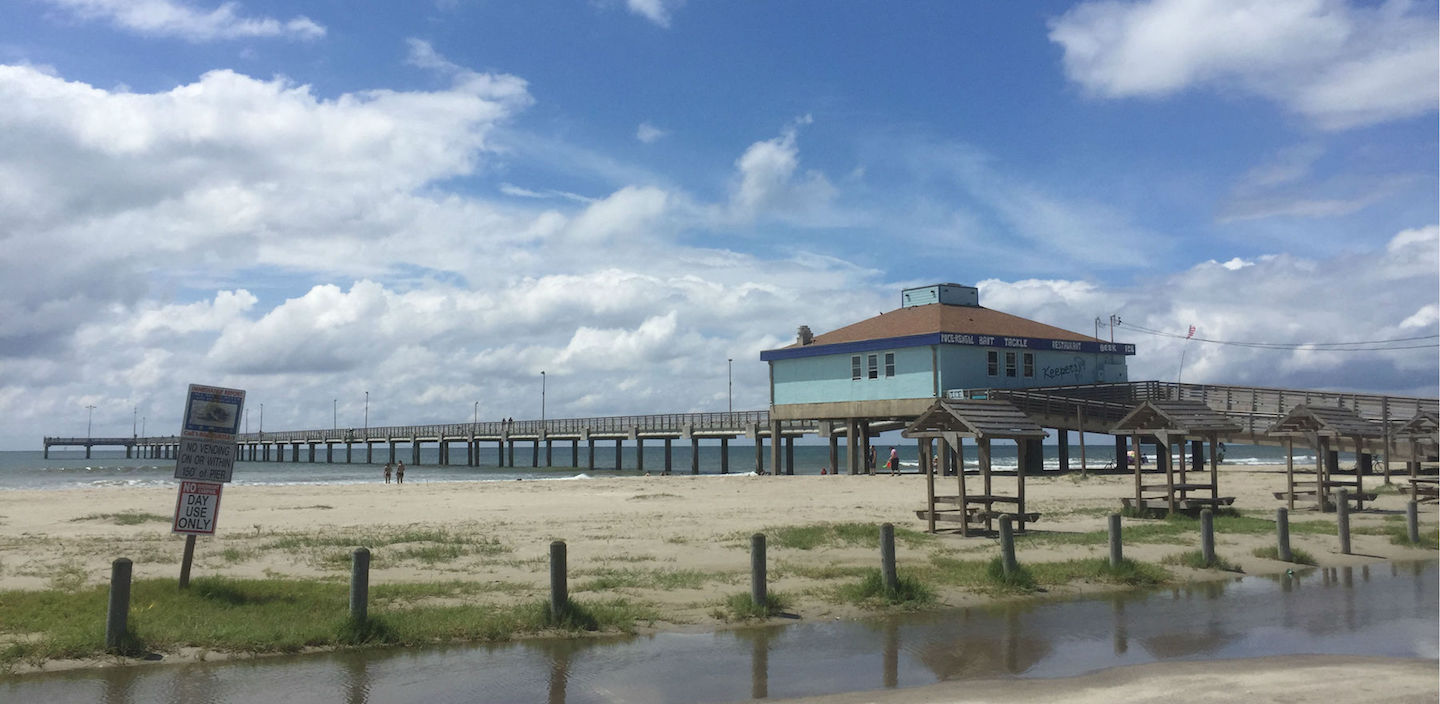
(939, 317)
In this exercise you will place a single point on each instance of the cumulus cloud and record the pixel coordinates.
(649, 134)
(1338, 64)
(169, 18)
(767, 182)
(657, 11)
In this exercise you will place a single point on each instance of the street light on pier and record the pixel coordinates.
(134, 413)
(730, 382)
(262, 419)
(477, 414)
(367, 414)
(142, 425)
(89, 415)
(542, 397)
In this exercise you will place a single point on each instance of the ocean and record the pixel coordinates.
(69, 469)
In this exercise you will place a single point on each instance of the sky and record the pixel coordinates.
(411, 209)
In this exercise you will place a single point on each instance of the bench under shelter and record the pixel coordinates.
(1177, 423)
(1325, 429)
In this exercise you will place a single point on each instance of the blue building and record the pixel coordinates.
(894, 365)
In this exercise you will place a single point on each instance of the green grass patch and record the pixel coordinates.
(870, 591)
(125, 518)
(1020, 579)
(275, 616)
(1196, 560)
(1297, 556)
(822, 572)
(740, 607)
(1429, 539)
(607, 578)
(1128, 572)
(828, 535)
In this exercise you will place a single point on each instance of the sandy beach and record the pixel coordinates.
(633, 532)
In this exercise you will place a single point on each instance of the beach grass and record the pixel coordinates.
(833, 535)
(1297, 556)
(870, 592)
(1195, 559)
(125, 518)
(740, 607)
(276, 616)
(608, 578)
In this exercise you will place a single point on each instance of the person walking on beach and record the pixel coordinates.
(400, 473)
(870, 462)
(894, 463)
(387, 472)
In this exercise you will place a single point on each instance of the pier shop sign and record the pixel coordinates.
(197, 508)
(206, 450)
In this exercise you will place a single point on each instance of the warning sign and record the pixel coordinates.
(205, 460)
(212, 413)
(197, 507)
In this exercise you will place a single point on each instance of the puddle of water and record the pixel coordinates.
(1386, 610)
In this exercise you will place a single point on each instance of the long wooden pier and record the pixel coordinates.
(1091, 408)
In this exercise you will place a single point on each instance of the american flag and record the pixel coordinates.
(1190, 334)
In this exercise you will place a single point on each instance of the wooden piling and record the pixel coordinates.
(118, 614)
(1412, 521)
(887, 558)
(186, 560)
(757, 570)
(559, 589)
(1282, 535)
(1116, 549)
(1007, 547)
(1207, 536)
(1342, 520)
(359, 585)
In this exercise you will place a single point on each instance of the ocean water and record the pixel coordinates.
(69, 469)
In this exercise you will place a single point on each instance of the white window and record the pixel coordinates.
(855, 368)
(992, 363)
(889, 364)
(1029, 359)
(1009, 364)
(874, 366)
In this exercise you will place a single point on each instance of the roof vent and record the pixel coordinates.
(803, 336)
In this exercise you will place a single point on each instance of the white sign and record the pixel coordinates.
(205, 460)
(197, 508)
(212, 413)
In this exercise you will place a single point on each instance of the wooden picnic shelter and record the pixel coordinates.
(1325, 428)
(984, 421)
(1177, 422)
(1423, 432)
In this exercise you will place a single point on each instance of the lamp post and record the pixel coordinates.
(367, 414)
(334, 414)
(730, 382)
(142, 425)
(542, 397)
(262, 419)
(89, 416)
(134, 413)
(476, 421)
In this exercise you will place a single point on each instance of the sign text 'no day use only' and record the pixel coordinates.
(197, 508)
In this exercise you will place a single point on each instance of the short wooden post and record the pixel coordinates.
(887, 558)
(1117, 554)
(757, 569)
(186, 560)
(1207, 536)
(118, 615)
(1282, 535)
(360, 585)
(1412, 521)
(1342, 520)
(1007, 547)
(559, 590)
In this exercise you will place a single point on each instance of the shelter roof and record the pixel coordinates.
(969, 418)
(1330, 421)
(1425, 424)
(1184, 417)
(939, 317)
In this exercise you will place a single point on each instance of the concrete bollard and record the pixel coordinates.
(1117, 551)
(1207, 536)
(1342, 520)
(887, 558)
(1007, 547)
(559, 589)
(360, 585)
(757, 570)
(1282, 535)
(1412, 522)
(118, 616)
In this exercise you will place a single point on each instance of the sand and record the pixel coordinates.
(692, 533)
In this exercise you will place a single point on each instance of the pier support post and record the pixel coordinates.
(759, 453)
(852, 447)
(575, 452)
(790, 455)
(618, 444)
(776, 441)
(1207, 536)
(1117, 549)
(359, 586)
(590, 454)
(1342, 520)
(1007, 547)
(1197, 455)
(369, 452)
(1062, 448)
(535, 452)
(549, 452)
(888, 575)
(1412, 521)
(559, 589)
(757, 570)
(694, 455)
(834, 458)
(668, 467)
(724, 455)
(118, 614)
(1282, 535)
(640, 453)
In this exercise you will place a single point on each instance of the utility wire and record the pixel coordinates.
(1361, 346)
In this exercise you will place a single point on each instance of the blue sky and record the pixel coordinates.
(432, 201)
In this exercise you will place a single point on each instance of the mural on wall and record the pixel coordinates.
(1074, 372)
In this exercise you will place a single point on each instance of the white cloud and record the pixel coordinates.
(649, 134)
(657, 11)
(1338, 64)
(769, 185)
(170, 18)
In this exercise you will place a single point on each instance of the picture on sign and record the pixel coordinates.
(205, 460)
(212, 412)
(197, 508)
